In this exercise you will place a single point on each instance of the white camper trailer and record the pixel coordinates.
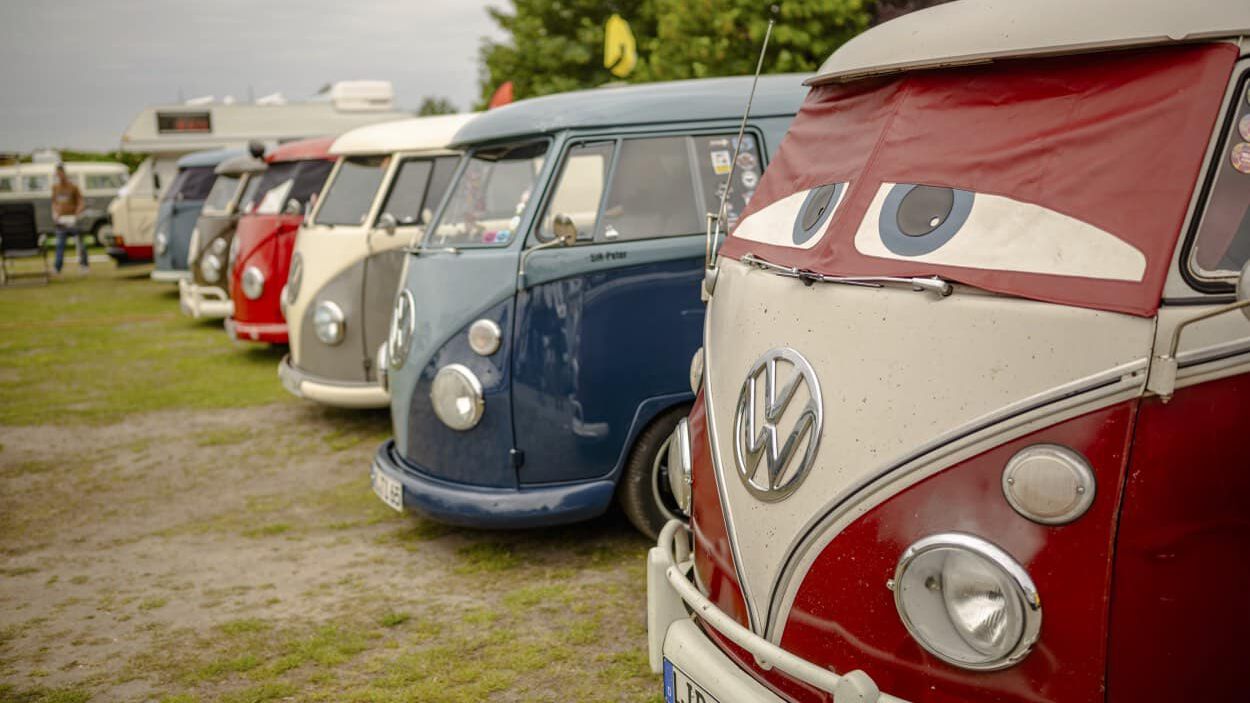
(167, 132)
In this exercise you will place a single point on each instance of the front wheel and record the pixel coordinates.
(644, 492)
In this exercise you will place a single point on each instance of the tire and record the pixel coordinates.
(643, 491)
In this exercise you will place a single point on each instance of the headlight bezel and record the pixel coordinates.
(294, 278)
(913, 575)
(162, 242)
(680, 466)
(463, 377)
(403, 325)
(211, 267)
(485, 337)
(252, 282)
(327, 315)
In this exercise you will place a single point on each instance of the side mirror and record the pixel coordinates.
(293, 207)
(388, 223)
(564, 229)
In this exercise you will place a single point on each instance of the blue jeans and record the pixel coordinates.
(61, 234)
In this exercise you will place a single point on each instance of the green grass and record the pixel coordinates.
(96, 348)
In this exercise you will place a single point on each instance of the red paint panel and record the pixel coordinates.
(266, 242)
(844, 616)
(1114, 139)
(1179, 617)
(314, 148)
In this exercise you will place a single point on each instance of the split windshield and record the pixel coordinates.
(289, 181)
(192, 183)
(351, 192)
(417, 189)
(487, 201)
(222, 193)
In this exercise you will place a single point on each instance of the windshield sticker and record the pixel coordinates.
(750, 179)
(721, 162)
(746, 161)
(1240, 157)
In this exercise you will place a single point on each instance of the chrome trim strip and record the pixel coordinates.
(1102, 386)
(708, 365)
(1213, 353)
(767, 654)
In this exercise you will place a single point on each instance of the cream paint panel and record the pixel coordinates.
(1213, 348)
(1008, 235)
(775, 224)
(897, 369)
(326, 252)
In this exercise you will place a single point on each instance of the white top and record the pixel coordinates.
(413, 134)
(979, 31)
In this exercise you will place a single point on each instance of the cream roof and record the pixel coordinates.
(413, 134)
(979, 31)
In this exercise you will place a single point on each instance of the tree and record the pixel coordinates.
(436, 105)
(697, 38)
(555, 45)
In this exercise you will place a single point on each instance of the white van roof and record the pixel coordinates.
(70, 167)
(414, 134)
(979, 31)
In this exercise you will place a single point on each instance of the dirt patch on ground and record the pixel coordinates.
(240, 555)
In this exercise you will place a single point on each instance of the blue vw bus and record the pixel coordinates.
(539, 352)
(180, 208)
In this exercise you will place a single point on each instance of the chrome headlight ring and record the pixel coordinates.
(253, 282)
(403, 324)
(294, 278)
(329, 322)
(457, 397)
(210, 267)
(967, 602)
(162, 242)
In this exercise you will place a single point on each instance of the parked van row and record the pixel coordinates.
(953, 413)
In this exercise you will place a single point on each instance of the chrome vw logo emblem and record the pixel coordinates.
(783, 385)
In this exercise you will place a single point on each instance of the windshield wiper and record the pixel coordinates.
(929, 284)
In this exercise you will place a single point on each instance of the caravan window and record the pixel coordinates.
(192, 183)
(35, 184)
(351, 192)
(105, 181)
(6, 184)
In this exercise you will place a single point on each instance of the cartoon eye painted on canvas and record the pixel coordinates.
(798, 220)
(950, 227)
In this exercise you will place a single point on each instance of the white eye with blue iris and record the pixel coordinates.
(798, 220)
(952, 227)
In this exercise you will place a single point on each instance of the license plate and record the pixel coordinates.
(679, 688)
(389, 490)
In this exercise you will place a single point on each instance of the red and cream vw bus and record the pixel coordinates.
(975, 377)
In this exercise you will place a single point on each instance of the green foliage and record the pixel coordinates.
(555, 45)
(436, 105)
(130, 158)
(699, 38)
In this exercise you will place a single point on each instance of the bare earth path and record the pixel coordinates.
(237, 554)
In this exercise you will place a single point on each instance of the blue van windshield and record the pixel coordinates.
(488, 199)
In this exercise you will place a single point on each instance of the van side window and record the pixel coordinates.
(580, 190)
(350, 194)
(652, 192)
(1222, 240)
(714, 155)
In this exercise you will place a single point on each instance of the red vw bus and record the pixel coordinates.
(261, 251)
(975, 375)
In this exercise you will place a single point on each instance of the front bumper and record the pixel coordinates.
(342, 394)
(170, 276)
(271, 332)
(207, 302)
(673, 602)
(502, 508)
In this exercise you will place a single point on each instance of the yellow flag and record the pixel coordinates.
(620, 54)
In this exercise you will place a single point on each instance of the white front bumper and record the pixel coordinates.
(672, 604)
(206, 302)
(167, 276)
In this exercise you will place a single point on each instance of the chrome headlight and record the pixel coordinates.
(210, 267)
(234, 251)
(253, 282)
(967, 602)
(485, 337)
(696, 371)
(403, 323)
(457, 397)
(679, 465)
(328, 322)
(294, 278)
(162, 242)
(218, 246)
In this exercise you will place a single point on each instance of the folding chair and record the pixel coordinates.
(19, 239)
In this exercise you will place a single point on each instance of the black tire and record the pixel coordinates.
(643, 490)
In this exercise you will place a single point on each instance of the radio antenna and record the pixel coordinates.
(721, 213)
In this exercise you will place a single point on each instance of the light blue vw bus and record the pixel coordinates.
(544, 327)
(180, 208)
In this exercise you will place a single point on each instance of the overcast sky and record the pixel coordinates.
(73, 73)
